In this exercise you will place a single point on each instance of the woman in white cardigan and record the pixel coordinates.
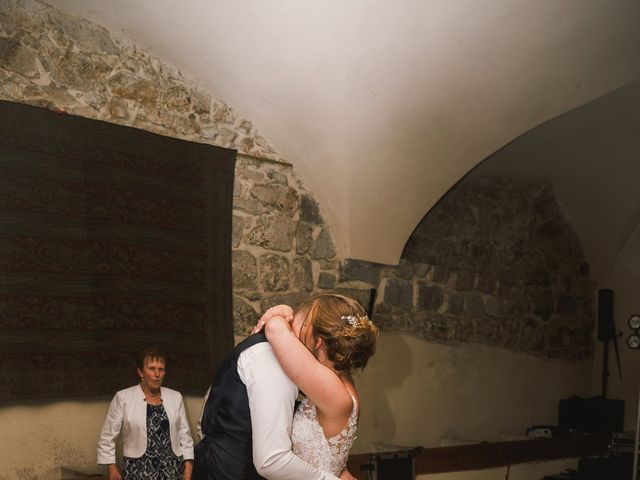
(156, 439)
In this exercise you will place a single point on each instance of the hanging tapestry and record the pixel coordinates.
(112, 239)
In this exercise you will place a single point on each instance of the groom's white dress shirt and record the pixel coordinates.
(271, 400)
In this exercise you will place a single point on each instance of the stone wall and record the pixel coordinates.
(494, 262)
(282, 249)
(64, 63)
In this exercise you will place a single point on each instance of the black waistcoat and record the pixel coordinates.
(225, 452)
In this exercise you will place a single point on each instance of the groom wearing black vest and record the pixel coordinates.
(246, 421)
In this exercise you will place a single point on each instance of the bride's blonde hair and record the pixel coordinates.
(350, 337)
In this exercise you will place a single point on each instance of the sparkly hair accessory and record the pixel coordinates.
(354, 320)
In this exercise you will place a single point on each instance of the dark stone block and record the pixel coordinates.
(322, 247)
(455, 303)
(447, 328)
(276, 197)
(537, 276)
(405, 270)
(565, 305)
(360, 270)
(464, 280)
(474, 306)
(531, 337)
(361, 296)
(485, 329)
(326, 280)
(252, 296)
(302, 273)
(273, 232)
(328, 264)
(517, 304)
(436, 328)
(438, 274)
(430, 296)
(304, 238)
(292, 299)
(244, 269)
(385, 322)
(248, 205)
(585, 307)
(492, 305)
(309, 211)
(244, 317)
(485, 284)
(277, 177)
(382, 309)
(584, 269)
(543, 304)
(508, 333)
(274, 273)
(420, 269)
(558, 336)
(237, 227)
(398, 292)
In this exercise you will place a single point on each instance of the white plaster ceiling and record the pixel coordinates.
(382, 105)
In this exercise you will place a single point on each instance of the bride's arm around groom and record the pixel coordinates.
(246, 421)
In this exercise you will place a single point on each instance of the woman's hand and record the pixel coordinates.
(284, 311)
(277, 326)
(346, 475)
(188, 468)
(114, 473)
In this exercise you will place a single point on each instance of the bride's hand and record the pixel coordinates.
(346, 475)
(284, 311)
(113, 472)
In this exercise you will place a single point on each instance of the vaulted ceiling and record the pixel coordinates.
(382, 105)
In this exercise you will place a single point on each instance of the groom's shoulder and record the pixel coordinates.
(252, 349)
(250, 341)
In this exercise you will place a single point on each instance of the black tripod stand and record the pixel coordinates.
(606, 333)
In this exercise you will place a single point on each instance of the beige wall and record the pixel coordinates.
(420, 393)
(57, 439)
(413, 393)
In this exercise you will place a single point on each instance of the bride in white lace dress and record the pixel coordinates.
(318, 347)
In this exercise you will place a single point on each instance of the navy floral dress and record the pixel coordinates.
(158, 462)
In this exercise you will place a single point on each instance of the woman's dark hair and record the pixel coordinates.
(151, 353)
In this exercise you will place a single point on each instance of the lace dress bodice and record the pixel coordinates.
(310, 444)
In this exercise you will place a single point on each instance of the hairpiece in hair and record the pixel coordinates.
(354, 320)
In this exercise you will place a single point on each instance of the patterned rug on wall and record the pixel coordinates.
(111, 239)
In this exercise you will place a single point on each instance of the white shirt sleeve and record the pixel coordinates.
(186, 442)
(199, 434)
(271, 400)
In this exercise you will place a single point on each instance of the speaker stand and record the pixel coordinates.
(636, 445)
(605, 381)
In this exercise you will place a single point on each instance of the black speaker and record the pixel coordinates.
(585, 414)
(614, 467)
(393, 466)
(606, 330)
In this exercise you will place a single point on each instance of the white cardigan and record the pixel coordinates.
(128, 413)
